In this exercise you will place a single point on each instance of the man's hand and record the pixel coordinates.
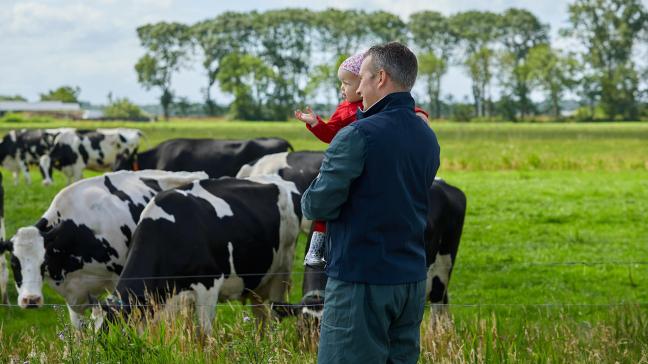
(309, 117)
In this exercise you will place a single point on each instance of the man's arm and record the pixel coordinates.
(343, 162)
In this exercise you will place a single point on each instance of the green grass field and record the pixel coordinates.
(552, 267)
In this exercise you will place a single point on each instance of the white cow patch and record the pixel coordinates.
(233, 286)
(440, 268)
(269, 164)
(221, 207)
(154, 212)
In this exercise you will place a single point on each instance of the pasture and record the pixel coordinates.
(552, 266)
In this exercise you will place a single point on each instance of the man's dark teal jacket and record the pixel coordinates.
(372, 191)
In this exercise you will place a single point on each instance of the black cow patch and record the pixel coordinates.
(152, 184)
(127, 233)
(69, 246)
(84, 154)
(135, 209)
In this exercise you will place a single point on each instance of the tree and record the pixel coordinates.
(385, 27)
(477, 32)
(247, 78)
(552, 72)
(123, 109)
(285, 41)
(480, 65)
(324, 76)
(432, 68)
(519, 31)
(610, 29)
(167, 45)
(63, 94)
(230, 32)
(12, 98)
(432, 34)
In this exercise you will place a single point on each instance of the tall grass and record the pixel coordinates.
(621, 337)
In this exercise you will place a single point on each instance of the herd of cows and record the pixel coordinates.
(190, 220)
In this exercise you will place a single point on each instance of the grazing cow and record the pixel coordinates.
(210, 241)
(19, 149)
(73, 151)
(81, 242)
(216, 157)
(442, 235)
(4, 273)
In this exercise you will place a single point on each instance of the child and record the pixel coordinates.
(344, 114)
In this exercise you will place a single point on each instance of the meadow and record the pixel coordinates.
(552, 266)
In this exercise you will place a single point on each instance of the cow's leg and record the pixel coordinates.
(45, 165)
(75, 316)
(206, 300)
(438, 278)
(25, 171)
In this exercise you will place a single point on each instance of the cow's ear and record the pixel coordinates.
(6, 246)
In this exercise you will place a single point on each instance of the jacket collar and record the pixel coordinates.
(390, 101)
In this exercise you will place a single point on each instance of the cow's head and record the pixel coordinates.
(63, 152)
(311, 307)
(27, 262)
(126, 162)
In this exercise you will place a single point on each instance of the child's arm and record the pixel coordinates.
(325, 131)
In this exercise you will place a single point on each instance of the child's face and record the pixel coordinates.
(348, 85)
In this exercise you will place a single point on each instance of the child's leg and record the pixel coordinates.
(315, 255)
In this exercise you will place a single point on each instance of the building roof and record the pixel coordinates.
(38, 106)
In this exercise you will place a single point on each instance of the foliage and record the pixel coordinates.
(62, 94)
(123, 109)
(12, 98)
(609, 31)
(167, 46)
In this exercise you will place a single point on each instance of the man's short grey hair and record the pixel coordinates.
(397, 60)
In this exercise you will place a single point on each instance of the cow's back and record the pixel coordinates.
(216, 157)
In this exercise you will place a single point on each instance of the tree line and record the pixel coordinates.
(274, 60)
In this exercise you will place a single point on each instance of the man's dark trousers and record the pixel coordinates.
(367, 323)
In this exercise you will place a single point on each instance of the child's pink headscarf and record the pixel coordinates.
(352, 64)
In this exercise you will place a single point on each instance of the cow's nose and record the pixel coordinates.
(32, 301)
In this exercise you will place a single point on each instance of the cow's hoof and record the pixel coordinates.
(47, 183)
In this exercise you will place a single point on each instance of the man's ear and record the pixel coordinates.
(382, 78)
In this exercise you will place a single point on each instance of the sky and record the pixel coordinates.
(92, 44)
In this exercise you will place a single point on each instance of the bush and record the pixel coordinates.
(462, 112)
(123, 109)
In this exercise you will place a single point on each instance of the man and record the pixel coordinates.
(372, 191)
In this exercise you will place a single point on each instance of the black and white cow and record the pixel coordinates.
(442, 236)
(80, 244)
(19, 149)
(73, 151)
(217, 158)
(210, 241)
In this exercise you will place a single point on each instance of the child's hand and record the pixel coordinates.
(309, 117)
(422, 116)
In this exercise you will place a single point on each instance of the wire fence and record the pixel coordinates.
(499, 264)
(300, 272)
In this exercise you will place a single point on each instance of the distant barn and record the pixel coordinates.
(67, 109)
